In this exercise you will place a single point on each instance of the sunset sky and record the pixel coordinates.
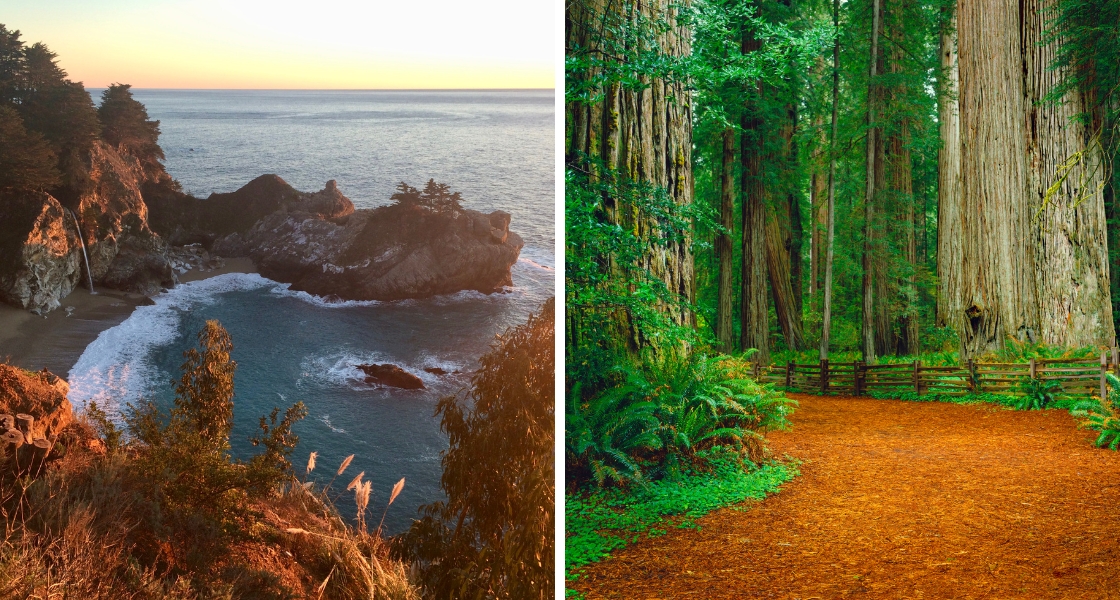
(308, 44)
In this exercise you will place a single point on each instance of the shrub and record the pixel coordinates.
(494, 536)
(1037, 394)
(1103, 415)
(657, 417)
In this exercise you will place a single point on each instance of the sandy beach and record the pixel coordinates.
(57, 340)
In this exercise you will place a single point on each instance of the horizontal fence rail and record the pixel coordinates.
(1075, 376)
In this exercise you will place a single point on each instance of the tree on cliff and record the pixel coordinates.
(49, 104)
(125, 126)
(493, 537)
(437, 197)
(26, 160)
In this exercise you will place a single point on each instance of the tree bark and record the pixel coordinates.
(997, 262)
(778, 265)
(724, 248)
(826, 311)
(753, 315)
(1065, 179)
(868, 327)
(950, 255)
(644, 134)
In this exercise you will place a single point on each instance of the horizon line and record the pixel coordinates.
(199, 89)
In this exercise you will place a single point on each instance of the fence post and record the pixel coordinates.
(1116, 360)
(1034, 369)
(917, 377)
(824, 376)
(754, 369)
(973, 377)
(790, 366)
(1104, 369)
(858, 373)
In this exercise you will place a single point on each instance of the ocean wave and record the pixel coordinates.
(341, 368)
(326, 420)
(283, 290)
(538, 258)
(114, 369)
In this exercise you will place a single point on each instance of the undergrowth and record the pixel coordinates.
(600, 521)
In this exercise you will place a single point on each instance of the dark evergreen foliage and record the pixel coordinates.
(493, 537)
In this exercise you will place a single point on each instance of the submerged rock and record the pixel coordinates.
(392, 376)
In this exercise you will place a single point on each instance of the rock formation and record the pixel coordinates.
(40, 395)
(392, 376)
(40, 250)
(320, 244)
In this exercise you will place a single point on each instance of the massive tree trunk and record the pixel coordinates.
(724, 248)
(643, 134)
(753, 314)
(1033, 248)
(1065, 177)
(997, 261)
(950, 256)
(868, 327)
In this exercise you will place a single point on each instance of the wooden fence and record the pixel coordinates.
(1077, 376)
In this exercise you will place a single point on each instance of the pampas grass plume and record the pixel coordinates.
(345, 463)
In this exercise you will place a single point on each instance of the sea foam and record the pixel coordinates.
(114, 369)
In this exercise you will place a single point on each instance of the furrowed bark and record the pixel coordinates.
(868, 327)
(753, 313)
(644, 134)
(724, 249)
(1065, 201)
(949, 252)
(997, 274)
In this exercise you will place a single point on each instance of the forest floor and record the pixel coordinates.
(901, 500)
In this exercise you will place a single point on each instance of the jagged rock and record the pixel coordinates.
(41, 395)
(387, 253)
(391, 375)
(40, 255)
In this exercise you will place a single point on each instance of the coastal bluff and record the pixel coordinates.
(42, 237)
(319, 243)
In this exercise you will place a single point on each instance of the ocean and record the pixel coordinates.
(496, 147)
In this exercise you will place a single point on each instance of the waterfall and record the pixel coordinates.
(89, 274)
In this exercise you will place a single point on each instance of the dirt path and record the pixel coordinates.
(902, 500)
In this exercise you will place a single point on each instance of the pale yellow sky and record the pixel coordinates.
(283, 44)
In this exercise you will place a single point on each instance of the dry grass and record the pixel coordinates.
(72, 532)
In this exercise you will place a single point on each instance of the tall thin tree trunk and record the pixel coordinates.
(796, 233)
(753, 315)
(868, 328)
(950, 255)
(724, 248)
(826, 323)
(778, 265)
(818, 203)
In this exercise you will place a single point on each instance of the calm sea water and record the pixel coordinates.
(494, 147)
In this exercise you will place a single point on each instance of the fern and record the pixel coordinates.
(1103, 415)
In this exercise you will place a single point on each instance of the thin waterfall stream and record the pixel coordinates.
(89, 274)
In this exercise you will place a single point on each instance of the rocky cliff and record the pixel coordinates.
(41, 251)
(320, 244)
